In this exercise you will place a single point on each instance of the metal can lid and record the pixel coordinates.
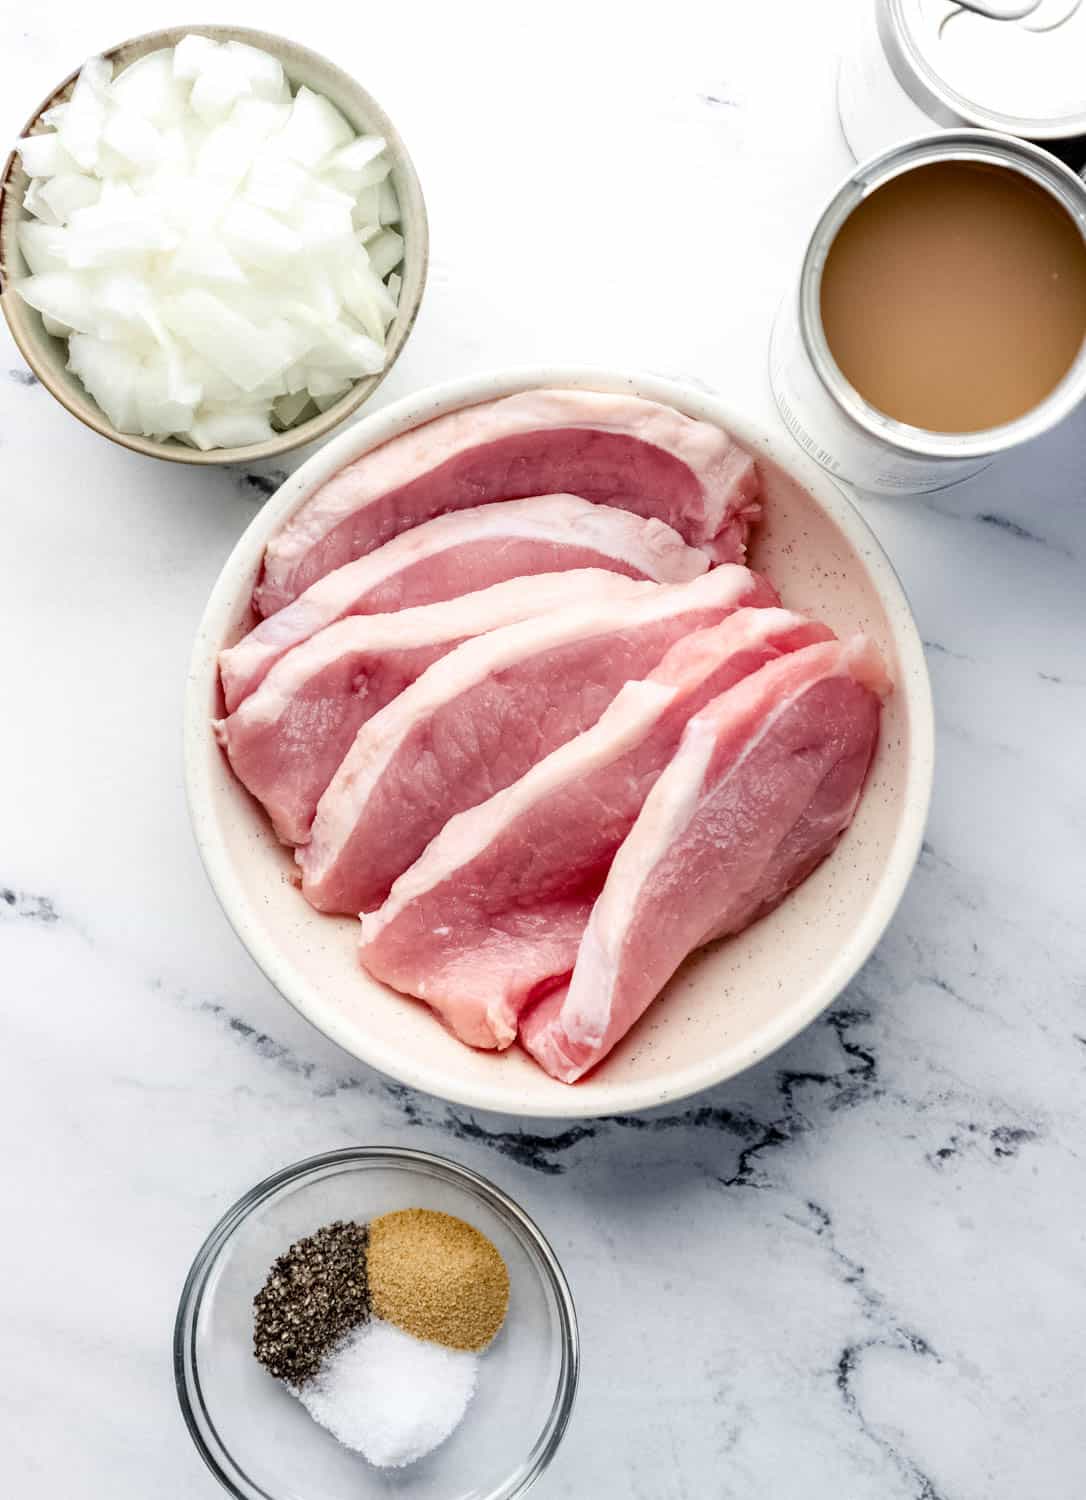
(1013, 65)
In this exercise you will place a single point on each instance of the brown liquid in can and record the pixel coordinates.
(954, 297)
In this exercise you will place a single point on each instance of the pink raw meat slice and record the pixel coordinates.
(286, 739)
(616, 450)
(765, 780)
(477, 719)
(493, 911)
(460, 554)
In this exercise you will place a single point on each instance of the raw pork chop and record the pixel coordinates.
(458, 554)
(477, 719)
(617, 450)
(765, 780)
(289, 735)
(496, 906)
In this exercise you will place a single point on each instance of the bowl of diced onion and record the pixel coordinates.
(213, 244)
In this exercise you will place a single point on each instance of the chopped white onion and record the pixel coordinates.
(315, 128)
(43, 245)
(287, 409)
(43, 155)
(385, 252)
(235, 428)
(214, 248)
(67, 193)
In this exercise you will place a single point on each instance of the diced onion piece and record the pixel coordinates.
(125, 302)
(191, 54)
(35, 204)
(325, 229)
(81, 127)
(357, 154)
(216, 386)
(66, 194)
(43, 156)
(360, 164)
(367, 209)
(287, 409)
(219, 83)
(373, 174)
(165, 401)
(134, 139)
(294, 378)
(276, 183)
(44, 246)
(245, 353)
(388, 205)
(321, 383)
(258, 117)
(237, 428)
(112, 374)
(225, 156)
(322, 403)
(358, 287)
(341, 351)
(64, 296)
(99, 238)
(315, 128)
(385, 252)
(148, 88)
(257, 237)
(202, 256)
(263, 72)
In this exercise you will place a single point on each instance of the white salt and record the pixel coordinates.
(390, 1396)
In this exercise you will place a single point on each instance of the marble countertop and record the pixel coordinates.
(855, 1271)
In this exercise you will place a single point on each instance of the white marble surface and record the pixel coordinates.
(855, 1272)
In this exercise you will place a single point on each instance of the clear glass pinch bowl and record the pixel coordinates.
(258, 1440)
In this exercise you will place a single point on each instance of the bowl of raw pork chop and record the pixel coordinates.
(559, 742)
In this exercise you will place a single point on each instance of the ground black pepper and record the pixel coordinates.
(315, 1294)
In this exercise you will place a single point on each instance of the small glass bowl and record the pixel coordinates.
(258, 1440)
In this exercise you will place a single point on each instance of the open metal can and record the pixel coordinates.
(915, 66)
(827, 416)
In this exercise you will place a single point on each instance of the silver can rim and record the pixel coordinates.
(945, 105)
(980, 146)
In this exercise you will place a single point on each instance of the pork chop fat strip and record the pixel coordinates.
(614, 449)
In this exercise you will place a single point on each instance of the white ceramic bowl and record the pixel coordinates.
(728, 1006)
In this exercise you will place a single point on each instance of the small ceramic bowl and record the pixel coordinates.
(729, 1005)
(260, 1443)
(48, 356)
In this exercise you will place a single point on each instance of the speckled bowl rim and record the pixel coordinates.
(209, 1443)
(416, 261)
(772, 442)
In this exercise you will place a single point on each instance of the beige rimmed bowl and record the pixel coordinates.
(48, 356)
(728, 1006)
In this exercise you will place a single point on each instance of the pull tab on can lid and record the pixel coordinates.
(1012, 65)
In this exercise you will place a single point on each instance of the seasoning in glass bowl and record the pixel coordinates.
(378, 1328)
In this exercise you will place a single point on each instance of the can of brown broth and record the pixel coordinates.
(939, 318)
